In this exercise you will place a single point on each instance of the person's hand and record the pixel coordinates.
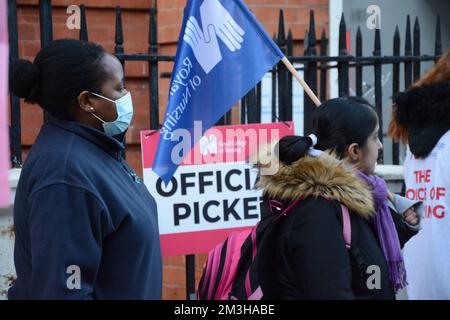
(411, 217)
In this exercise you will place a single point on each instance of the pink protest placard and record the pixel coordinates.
(4, 139)
(212, 192)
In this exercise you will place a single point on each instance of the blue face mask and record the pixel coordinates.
(124, 108)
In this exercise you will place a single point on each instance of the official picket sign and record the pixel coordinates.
(212, 193)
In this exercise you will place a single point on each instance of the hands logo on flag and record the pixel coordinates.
(216, 22)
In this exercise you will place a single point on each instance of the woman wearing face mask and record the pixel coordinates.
(312, 259)
(85, 225)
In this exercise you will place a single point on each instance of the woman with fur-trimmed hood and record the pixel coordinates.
(311, 259)
(421, 119)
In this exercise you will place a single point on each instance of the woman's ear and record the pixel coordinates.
(85, 102)
(354, 152)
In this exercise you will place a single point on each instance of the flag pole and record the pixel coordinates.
(302, 82)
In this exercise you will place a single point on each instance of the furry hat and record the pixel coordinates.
(421, 116)
(424, 106)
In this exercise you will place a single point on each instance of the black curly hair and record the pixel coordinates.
(425, 105)
(60, 72)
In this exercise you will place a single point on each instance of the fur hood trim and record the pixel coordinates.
(316, 176)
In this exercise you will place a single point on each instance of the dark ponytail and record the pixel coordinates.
(59, 73)
(24, 80)
(292, 148)
(337, 123)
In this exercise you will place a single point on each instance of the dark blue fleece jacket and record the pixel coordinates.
(85, 225)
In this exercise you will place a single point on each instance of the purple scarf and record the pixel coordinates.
(386, 231)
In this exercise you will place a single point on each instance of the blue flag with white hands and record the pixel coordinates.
(222, 53)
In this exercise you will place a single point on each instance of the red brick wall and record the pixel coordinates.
(135, 18)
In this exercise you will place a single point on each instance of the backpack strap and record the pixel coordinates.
(354, 250)
(248, 288)
(346, 227)
(212, 272)
(231, 261)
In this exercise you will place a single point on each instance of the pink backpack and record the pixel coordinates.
(233, 269)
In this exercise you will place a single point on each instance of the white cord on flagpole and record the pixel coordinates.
(302, 82)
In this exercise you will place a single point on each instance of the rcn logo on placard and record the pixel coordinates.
(208, 145)
(216, 22)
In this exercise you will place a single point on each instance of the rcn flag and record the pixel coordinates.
(222, 53)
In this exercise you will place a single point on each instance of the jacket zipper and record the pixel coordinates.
(132, 174)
